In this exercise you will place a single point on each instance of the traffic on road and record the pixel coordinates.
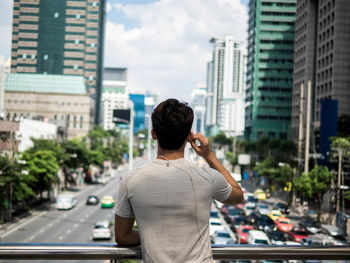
(261, 220)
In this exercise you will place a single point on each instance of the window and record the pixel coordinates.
(75, 67)
(91, 78)
(81, 122)
(77, 16)
(24, 56)
(74, 121)
(92, 45)
(56, 15)
(46, 57)
(76, 41)
(94, 3)
(32, 56)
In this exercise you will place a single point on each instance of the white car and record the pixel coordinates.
(223, 237)
(65, 202)
(214, 225)
(102, 230)
(263, 209)
(248, 209)
(257, 237)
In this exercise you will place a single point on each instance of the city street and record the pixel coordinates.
(72, 226)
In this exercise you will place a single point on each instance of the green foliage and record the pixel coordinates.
(341, 144)
(43, 166)
(314, 184)
(221, 139)
(97, 136)
(278, 175)
(76, 154)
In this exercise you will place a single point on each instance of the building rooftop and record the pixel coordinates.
(45, 83)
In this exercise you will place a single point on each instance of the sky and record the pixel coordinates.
(163, 43)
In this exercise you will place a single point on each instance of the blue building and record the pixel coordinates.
(139, 108)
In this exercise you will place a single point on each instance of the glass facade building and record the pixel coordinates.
(60, 37)
(139, 108)
(269, 68)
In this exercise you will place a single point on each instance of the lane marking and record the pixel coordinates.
(22, 225)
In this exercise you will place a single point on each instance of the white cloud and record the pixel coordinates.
(5, 28)
(167, 53)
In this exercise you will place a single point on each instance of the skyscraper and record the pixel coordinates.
(115, 94)
(269, 68)
(60, 37)
(226, 84)
(321, 56)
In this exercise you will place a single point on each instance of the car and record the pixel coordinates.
(92, 200)
(107, 201)
(251, 198)
(259, 194)
(242, 233)
(214, 214)
(224, 209)
(65, 201)
(277, 237)
(248, 209)
(297, 234)
(223, 237)
(257, 237)
(102, 230)
(214, 225)
(275, 214)
(263, 209)
(283, 207)
(310, 225)
(237, 222)
(262, 222)
(232, 213)
(284, 224)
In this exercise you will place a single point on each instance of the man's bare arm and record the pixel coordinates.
(203, 150)
(124, 234)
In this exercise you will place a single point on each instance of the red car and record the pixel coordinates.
(242, 233)
(284, 224)
(297, 234)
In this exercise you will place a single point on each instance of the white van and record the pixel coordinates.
(257, 237)
(66, 201)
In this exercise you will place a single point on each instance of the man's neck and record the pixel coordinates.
(170, 154)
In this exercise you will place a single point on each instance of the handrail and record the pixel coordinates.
(52, 251)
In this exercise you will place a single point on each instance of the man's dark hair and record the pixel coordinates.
(172, 122)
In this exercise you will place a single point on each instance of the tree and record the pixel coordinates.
(340, 146)
(43, 166)
(15, 185)
(222, 140)
(314, 185)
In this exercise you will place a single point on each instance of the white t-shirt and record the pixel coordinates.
(171, 203)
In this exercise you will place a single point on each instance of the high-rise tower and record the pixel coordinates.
(62, 37)
(226, 85)
(269, 68)
(321, 56)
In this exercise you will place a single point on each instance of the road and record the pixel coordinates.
(73, 226)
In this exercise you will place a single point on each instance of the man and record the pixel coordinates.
(170, 198)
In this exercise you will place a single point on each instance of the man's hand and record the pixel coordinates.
(203, 149)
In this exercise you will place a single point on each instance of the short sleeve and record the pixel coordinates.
(123, 208)
(221, 188)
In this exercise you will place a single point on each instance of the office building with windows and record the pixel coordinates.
(226, 85)
(115, 94)
(62, 38)
(269, 68)
(321, 56)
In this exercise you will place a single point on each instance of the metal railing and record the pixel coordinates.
(53, 251)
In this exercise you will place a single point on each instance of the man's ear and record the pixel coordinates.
(189, 137)
(154, 136)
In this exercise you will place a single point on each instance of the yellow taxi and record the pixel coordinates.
(259, 194)
(107, 201)
(275, 214)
